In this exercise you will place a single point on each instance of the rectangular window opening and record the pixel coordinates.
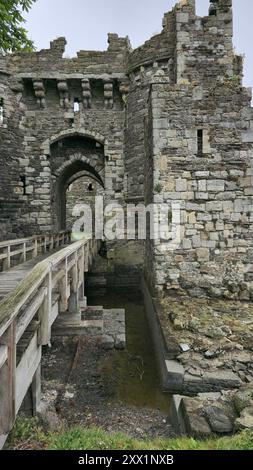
(23, 181)
(200, 141)
(76, 105)
(1, 111)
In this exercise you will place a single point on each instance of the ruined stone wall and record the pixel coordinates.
(46, 88)
(12, 200)
(149, 171)
(213, 186)
(50, 63)
(204, 47)
(200, 152)
(156, 54)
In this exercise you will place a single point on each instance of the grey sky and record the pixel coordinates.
(85, 23)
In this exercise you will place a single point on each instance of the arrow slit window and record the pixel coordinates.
(1, 111)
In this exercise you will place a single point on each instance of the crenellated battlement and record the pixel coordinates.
(220, 7)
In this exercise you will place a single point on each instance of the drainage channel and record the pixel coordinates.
(133, 372)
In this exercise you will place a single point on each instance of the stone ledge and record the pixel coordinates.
(175, 375)
(209, 414)
(178, 380)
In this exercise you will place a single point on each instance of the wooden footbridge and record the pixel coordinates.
(40, 278)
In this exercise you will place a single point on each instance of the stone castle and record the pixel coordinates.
(169, 121)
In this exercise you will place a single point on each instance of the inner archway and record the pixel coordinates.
(83, 189)
(78, 169)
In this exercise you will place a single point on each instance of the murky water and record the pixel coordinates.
(133, 372)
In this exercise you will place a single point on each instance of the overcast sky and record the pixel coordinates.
(85, 23)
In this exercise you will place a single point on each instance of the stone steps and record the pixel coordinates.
(92, 313)
(108, 325)
(68, 324)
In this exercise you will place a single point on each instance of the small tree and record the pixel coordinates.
(13, 36)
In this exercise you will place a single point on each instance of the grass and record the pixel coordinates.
(28, 434)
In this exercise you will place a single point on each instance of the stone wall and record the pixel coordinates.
(202, 157)
(68, 113)
(158, 53)
(11, 148)
(80, 193)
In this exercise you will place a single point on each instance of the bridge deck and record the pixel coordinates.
(10, 279)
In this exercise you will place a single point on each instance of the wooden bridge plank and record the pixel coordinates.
(10, 279)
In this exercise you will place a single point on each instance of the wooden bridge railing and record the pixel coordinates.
(20, 250)
(55, 285)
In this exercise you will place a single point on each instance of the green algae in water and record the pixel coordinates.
(133, 373)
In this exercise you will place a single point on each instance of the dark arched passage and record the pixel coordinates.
(72, 173)
(73, 158)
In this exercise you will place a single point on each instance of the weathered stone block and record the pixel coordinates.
(225, 378)
(214, 206)
(196, 425)
(247, 137)
(203, 254)
(181, 185)
(175, 375)
(219, 419)
(245, 421)
(215, 185)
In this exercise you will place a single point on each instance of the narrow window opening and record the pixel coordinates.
(76, 105)
(90, 187)
(200, 141)
(1, 111)
(23, 181)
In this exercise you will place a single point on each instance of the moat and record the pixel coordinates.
(114, 390)
(133, 372)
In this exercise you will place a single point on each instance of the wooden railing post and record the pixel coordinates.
(41, 245)
(73, 304)
(75, 274)
(44, 334)
(24, 252)
(63, 289)
(35, 249)
(8, 381)
(7, 261)
(36, 390)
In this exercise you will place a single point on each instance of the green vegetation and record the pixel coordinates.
(29, 434)
(235, 78)
(158, 188)
(13, 36)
